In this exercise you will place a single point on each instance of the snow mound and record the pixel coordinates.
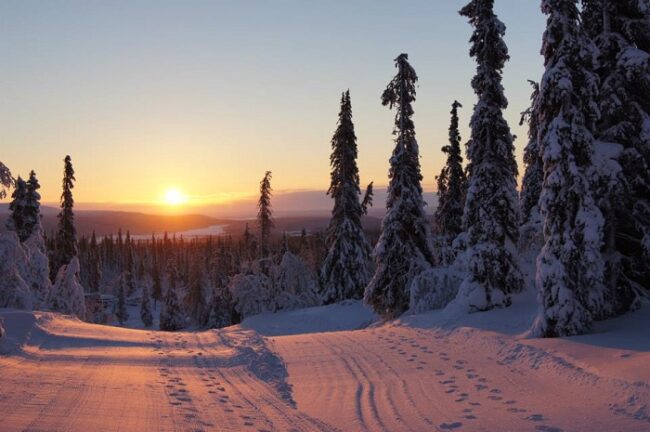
(67, 292)
(347, 315)
(434, 289)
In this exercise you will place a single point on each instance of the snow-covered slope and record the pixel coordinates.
(59, 374)
(327, 368)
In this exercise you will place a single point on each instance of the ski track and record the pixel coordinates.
(408, 379)
(71, 376)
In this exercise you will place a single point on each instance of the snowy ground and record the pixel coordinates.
(323, 369)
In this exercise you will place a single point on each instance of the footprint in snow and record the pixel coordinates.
(545, 428)
(516, 410)
(450, 426)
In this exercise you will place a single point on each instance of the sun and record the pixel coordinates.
(174, 197)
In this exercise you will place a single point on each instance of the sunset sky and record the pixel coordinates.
(202, 97)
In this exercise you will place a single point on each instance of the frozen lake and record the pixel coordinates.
(212, 230)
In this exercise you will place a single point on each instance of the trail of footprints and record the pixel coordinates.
(180, 397)
(461, 373)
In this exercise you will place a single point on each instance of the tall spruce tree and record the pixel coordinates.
(32, 210)
(66, 236)
(620, 30)
(491, 215)
(403, 250)
(570, 268)
(345, 271)
(16, 220)
(129, 265)
(265, 215)
(452, 185)
(531, 185)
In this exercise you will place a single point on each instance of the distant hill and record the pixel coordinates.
(108, 222)
(288, 204)
(293, 211)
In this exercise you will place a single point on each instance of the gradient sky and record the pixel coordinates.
(206, 95)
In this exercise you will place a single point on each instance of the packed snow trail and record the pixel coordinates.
(441, 371)
(324, 369)
(72, 376)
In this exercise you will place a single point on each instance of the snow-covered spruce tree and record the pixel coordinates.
(620, 30)
(6, 180)
(196, 302)
(403, 250)
(67, 293)
(14, 291)
(265, 215)
(129, 265)
(452, 188)
(491, 215)
(66, 236)
(32, 208)
(295, 285)
(37, 274)
(145, 307)
(121, 313)
(345, 272)
(171, 316)
(15, 222)
(156, 280)
(570, 267)
(531, 186)
(221, 308)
